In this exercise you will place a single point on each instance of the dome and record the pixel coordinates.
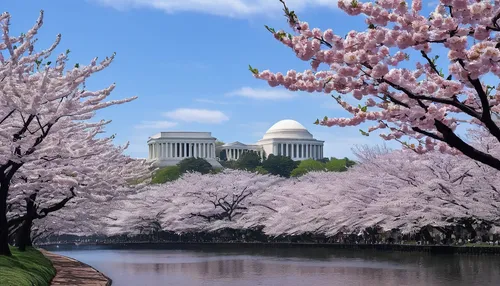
(289, 129)
(287, 124)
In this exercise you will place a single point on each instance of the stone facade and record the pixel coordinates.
(169, 148)
(286, 138)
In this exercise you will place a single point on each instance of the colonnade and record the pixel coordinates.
(166, 150)
(299, 150)
(235, 153)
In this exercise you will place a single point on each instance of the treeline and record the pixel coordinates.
(249, 161)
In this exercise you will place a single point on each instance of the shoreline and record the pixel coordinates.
(432, 249)
(70, 271)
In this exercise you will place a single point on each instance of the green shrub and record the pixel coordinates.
(339, 165)
(279, 165)
(249, 161)
(167, 174)
(26, 268)
(261, 170)
(297, 172)
(231, 164)
(192, 164)
(307, 166)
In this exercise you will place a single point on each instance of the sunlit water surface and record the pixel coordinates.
(216, 266)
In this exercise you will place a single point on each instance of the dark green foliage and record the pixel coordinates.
(279, 165)
(223, 155)
(192, 164)
(229, 164)
(249, 161)
(28, 268)
(167, 174)
(323, 160)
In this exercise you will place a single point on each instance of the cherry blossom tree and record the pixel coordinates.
(39, 98)
(413, 99)
(196, 202)
(83, 167)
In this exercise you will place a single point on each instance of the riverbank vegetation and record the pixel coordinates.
(389, 197)
(26, 268)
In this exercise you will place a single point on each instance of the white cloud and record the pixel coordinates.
(197, 115)
(263, 94)
(210, 101)
(156, 125)
(227, 8)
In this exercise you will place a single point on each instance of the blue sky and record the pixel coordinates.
(188, 63)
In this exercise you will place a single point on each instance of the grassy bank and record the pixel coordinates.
(25, 268)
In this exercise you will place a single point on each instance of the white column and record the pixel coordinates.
(213, 150)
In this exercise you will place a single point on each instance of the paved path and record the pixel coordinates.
(75, 273)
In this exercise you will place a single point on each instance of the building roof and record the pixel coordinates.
(287, 129)
(286, 124)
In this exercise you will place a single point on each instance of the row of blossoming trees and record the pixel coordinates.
(399, 195)
(51, 154)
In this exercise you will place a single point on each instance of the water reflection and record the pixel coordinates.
(291, 267)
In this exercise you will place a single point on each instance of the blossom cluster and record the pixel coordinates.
(410, 98)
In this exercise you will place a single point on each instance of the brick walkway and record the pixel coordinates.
(75, 273)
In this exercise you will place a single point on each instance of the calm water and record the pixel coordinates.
(216, 266)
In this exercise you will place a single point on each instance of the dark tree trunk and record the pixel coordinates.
(23, 238)
(4, 227)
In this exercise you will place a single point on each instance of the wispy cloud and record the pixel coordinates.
(263, 94)
(155, 125)
(227, 8)
(210, 101)
(197, 115)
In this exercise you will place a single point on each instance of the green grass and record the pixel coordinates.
(25, 268)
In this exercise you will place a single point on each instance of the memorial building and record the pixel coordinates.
(286, 138)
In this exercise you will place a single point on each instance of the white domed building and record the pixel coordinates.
(285, 138)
